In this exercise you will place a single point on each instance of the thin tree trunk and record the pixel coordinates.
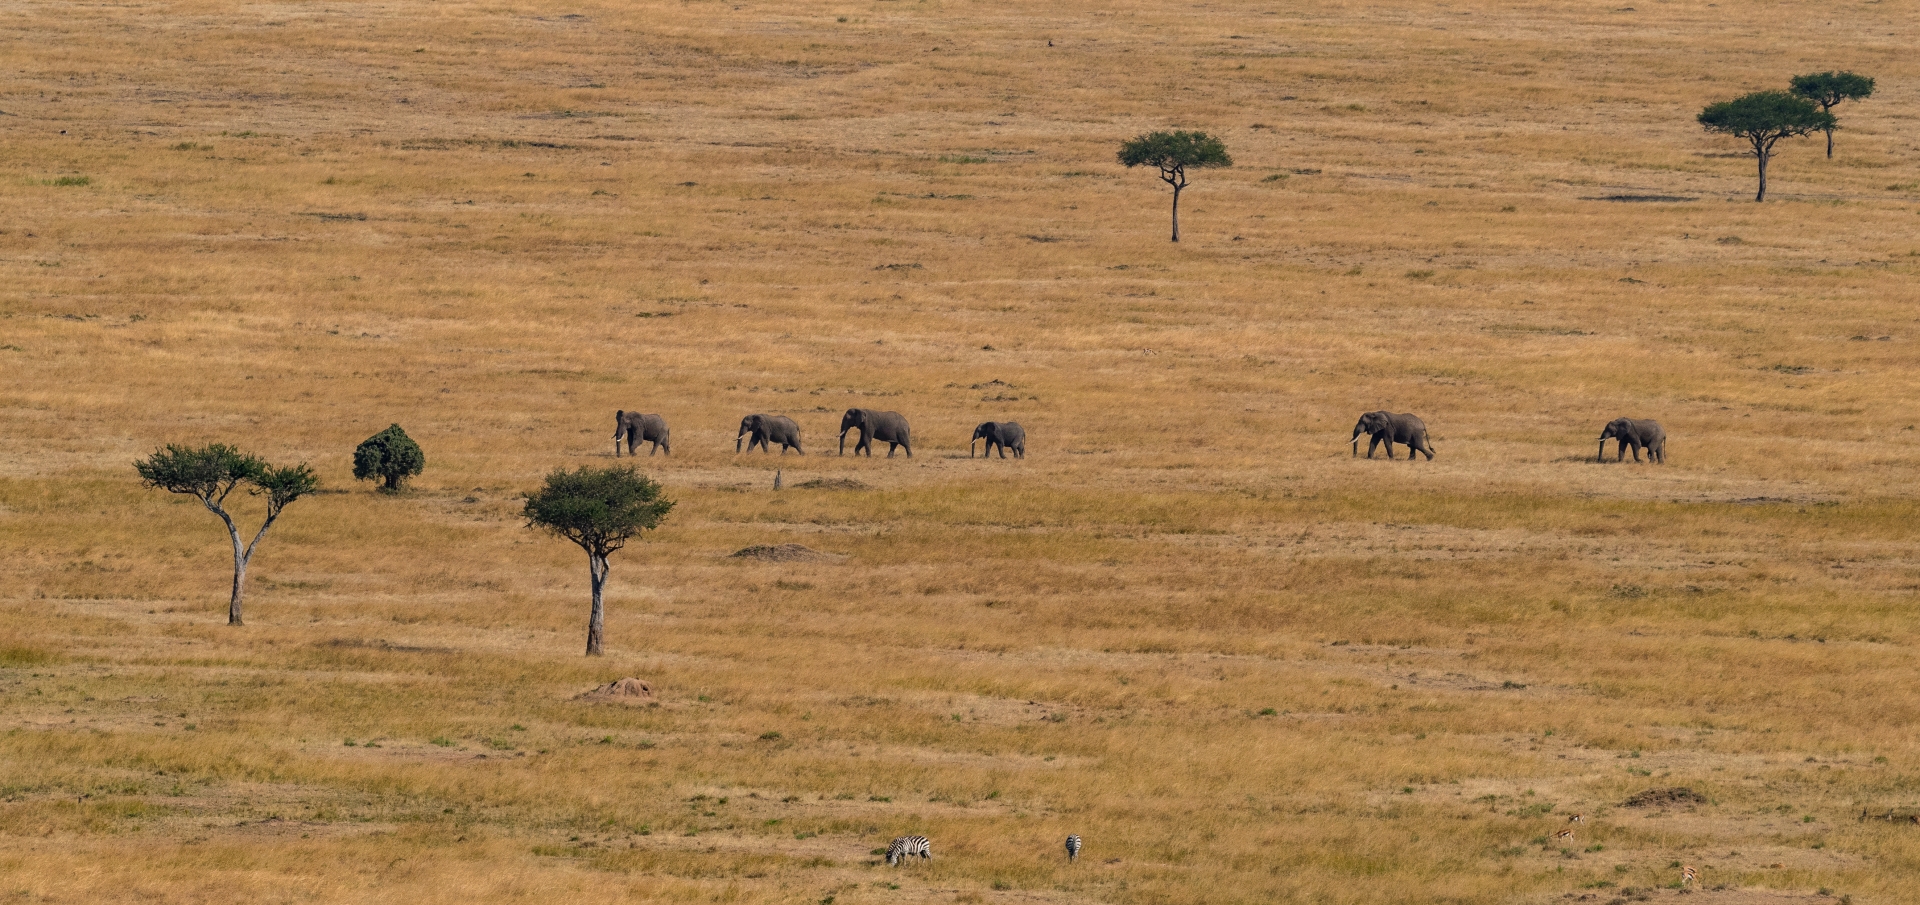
(240, 556)
(1762, 195)
(1829, 144)
(1176, 213)
(596, 627)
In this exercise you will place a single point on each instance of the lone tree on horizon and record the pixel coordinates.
(210, 473)
(1763, 118)
(390, 456)
(1173, 153)
(600, 509)
(1828, 89)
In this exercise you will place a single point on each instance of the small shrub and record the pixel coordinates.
(389, 456)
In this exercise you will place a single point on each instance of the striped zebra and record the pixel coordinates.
(1686, 875)
(1073, 849)
(906, 847)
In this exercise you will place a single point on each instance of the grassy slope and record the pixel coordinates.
(1189, 627)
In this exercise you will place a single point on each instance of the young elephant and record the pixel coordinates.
(1008, 435)
(760, 429)
(1388, 428)
(890, 427)
(1635, 433)
(638, 429)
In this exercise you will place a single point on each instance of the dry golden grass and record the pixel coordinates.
(1245, 666)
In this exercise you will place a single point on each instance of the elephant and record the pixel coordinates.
(638, 429)
(888, 426)
(763, 428)
(1634, 433)
(1004, 434)
(1388, 428)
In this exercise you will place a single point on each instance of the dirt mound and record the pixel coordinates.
(783, 553)
(832, 484)
(1659, 798)
(626, 691)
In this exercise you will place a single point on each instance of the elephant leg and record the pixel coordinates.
(891, 446)
(1620, 455)
(1636, 452)
(1373, 442)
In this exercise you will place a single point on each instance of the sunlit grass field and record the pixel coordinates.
(1243, 664)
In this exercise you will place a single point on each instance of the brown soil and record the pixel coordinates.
(625, 691)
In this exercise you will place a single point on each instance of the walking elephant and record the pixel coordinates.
(638, 429)
(763, 429)
(890, 427)
(1389, 428)
(1634, 433)
(1008, 435)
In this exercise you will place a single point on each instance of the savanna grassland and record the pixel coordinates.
(1190, 626)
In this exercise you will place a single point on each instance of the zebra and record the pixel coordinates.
(906, 847)
(1073, 849)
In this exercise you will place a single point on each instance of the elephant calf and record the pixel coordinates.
(762, 429)
(638, 429)
(1388, 428)
(890, 427)
(1008, 435)
(1636, 433)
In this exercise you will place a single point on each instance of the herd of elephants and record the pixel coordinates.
(891, 428)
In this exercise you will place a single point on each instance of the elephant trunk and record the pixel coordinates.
(843, 440)
(1356, 441)
(970, 443)
(1601, 456)
(736, 442)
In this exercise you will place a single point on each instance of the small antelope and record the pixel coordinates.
(1686, 875)
(1576, 818)
(1564, 837)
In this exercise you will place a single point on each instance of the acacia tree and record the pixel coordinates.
(389, 456)
(212, 472)
(1763, 118)
(1828, 89)
(600, 509)
(1173, 153)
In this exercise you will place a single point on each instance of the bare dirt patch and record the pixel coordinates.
(624, 691)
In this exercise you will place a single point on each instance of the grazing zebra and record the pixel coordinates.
(1686, 875)
(1073, 849)
(906, 847)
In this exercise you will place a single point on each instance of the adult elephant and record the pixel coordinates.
(890, 427)
(1389, 428)
(765, 429)
(1008, 435)
(1637, 434)
(637, 429)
